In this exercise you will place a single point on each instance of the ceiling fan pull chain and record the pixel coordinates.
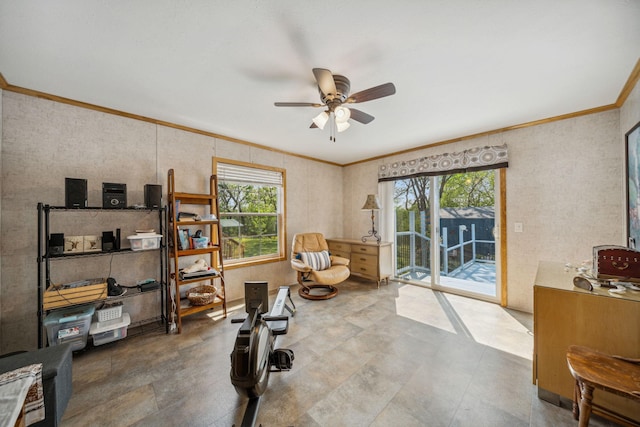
(335, 127)
(332, 124)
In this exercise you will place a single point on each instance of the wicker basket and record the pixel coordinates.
(202, 295)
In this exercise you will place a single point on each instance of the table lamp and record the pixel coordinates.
(372, 204)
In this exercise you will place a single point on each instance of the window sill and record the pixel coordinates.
(232, 265)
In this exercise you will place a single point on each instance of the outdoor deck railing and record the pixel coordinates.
(414, 250)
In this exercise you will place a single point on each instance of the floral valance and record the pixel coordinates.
(473, 159)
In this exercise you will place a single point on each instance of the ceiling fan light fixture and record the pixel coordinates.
(342, 126)
(321, 119)
(342, 114)
(334, 92)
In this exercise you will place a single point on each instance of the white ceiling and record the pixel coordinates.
(460, 67)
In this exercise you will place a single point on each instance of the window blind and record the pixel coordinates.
(248, 175)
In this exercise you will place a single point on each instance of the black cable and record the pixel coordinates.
(110, 262)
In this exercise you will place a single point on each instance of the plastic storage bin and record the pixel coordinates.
(143, 242)
(69, 325)
(200, 242)
(111, 330)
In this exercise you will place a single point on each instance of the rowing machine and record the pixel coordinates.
(254, 355)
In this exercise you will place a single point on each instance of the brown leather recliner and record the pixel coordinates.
(317, 269)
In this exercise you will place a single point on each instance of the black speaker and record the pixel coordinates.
(152, 195)
(114, 196)
(56, 244)
(116, 242)
(107, 241)
(75, 193)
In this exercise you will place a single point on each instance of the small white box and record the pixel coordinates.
(111, 330)
(144, 242)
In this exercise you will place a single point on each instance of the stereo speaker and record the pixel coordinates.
(75, 193)
(116, 242)
(152, 196)
(107, 241)
(56, 244)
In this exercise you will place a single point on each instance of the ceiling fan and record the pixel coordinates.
(334, 93)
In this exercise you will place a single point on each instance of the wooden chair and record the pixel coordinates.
(595, 370)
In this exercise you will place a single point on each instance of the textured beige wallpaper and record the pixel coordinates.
(563, 184)
(44, 142)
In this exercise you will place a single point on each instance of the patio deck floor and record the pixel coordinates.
(477, 277)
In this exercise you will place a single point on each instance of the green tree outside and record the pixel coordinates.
(257, 228)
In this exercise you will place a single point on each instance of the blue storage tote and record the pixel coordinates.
(69, 325)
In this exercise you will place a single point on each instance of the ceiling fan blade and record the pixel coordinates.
(313, 125)
(325, 81)
(296, 104)
(361, 116)
(373, 93)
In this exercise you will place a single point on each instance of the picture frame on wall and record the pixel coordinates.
(632, 149)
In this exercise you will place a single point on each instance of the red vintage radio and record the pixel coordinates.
(616, 262)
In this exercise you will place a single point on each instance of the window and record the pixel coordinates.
(251, 208)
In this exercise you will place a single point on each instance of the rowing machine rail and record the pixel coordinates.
(254, 352)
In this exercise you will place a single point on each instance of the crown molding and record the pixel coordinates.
(37, 94)
(630, 84)
(493, 132)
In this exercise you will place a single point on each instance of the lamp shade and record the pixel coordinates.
(342, 126)
(342, 114)
(372, 203)
(321, 119)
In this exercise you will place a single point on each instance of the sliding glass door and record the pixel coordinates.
(412, 200)
(446, 232)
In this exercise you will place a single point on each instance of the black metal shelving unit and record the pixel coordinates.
(45, 258)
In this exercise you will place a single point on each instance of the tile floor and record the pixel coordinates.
(400, 355)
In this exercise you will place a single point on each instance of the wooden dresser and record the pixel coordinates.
(564, 315)
(369, 260)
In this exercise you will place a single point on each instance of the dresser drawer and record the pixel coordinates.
(346, 255)
(339, 247)
(361, 260)
(364, 264)
(364, 249)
